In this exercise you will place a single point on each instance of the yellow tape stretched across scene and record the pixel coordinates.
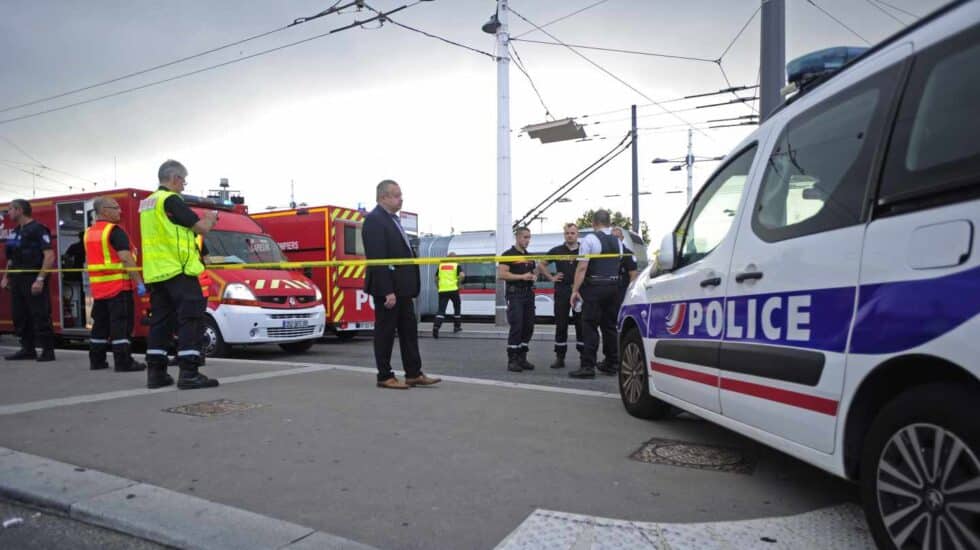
(340, 263)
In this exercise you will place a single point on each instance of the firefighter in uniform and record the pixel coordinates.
(171, 265)
(519, 276)
(597, 286)
(448, 278)
(29, 250)
(108, 251)
(563, 278)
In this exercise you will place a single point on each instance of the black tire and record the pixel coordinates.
(936, 424)
(634, 385)
(297, 347)
(346, 335)
(212, 343)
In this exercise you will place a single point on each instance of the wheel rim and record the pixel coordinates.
(210, 340)
(631, 373)
(928, 489)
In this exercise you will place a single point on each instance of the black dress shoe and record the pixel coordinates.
(21, 354)
(607, 369)
(583, 372)
(197, 382)
(46, 355)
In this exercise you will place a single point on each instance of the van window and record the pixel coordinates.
(710, 217)
(935, 146)
(817, 174)
(353, 243)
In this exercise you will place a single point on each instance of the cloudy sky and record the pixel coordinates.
(337, 114)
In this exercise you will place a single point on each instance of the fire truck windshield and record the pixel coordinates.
(232, 247)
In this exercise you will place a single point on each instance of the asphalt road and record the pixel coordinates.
(42, 530)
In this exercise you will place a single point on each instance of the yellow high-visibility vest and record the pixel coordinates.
(168, 249)
(448, 278)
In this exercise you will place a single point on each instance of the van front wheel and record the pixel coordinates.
(634, 384)
(211, 341)
(920, 470)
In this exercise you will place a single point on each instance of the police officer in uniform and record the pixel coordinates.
(597, 286)
(108, 251)
(563, 278)
(448, 278)
(520, 276)
(171, 264)
(627, 267)
(29, 248)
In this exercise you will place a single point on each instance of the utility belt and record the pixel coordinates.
(602, 280)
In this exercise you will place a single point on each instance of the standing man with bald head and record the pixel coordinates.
(109, 254)
(392, 288)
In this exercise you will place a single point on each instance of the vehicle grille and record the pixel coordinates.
(291, 315)
(283, 299)
(291, 332)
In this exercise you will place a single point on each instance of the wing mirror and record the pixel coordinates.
(668, 256)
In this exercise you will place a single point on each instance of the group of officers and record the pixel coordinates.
(172, 262)
(588, 294)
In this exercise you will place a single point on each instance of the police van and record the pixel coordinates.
(821, 292)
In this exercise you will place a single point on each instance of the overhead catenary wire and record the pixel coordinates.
(199, 71)
(42, 165)
(519, 63)
(739, 34)
(603, 69)
(886, 12)
(838, 21)
(70, 186)
(437, 37)
(900, 10)
(562, 18)
(614, 50)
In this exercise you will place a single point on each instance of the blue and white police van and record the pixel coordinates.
(821, 292)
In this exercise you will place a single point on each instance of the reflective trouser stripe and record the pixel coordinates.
(185, 352)
(97, 341)
(156, 352)
(120, 341)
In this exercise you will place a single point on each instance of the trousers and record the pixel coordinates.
(112, 327)
(520, 317)
(600, 308)
(386, 322)
(444, 299)
(31, 314)
(176, 304)
(563, 296)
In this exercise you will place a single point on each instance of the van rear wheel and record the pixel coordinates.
(920, 470)
(634, 385)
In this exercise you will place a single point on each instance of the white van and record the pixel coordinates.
(821, 293)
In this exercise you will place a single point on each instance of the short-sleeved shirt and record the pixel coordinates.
(519, 268)
(26, 246)
(178, 211)
(591, 245)
(118, 239)
(565, 267)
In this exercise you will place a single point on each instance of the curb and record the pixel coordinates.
(149, 512)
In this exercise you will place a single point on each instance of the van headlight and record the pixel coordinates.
(238, 291)
(319, 295)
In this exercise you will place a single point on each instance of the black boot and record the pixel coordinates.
(513, 364)
(191, 379)
(522, 360)
(47, 354)
(583, 372)
(156, 372)
(457, 325)
(436, 325)
(607, 367)
(559, 360)
(124, 360)
(97, 356)
(22, 354)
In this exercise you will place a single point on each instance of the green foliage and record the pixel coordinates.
(618, 220)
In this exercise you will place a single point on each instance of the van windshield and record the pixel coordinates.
(232, 247)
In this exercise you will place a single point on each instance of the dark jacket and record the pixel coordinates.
(382, 239)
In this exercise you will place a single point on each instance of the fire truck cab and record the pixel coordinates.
(324, 233)
(245, 305)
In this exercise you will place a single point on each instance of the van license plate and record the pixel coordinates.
(294, 323)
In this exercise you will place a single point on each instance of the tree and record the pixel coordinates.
(618, 220)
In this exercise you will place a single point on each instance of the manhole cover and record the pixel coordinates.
(212, 408)
(695, 455)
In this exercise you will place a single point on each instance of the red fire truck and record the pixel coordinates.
(245, 305)
(329, 233)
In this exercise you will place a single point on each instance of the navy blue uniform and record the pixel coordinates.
(520, 306)
(600, 305)
(563, 296)
(31, 313)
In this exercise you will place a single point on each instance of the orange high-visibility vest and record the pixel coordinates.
(107, 276)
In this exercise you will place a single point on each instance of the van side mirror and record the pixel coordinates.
(667, 258)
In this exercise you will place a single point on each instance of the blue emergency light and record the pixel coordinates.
(806, 68)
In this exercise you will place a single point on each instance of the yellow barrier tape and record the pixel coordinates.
(340, 263)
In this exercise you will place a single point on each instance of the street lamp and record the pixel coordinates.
(686, 162)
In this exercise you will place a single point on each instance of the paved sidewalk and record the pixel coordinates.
(490, 331)
(317, 448)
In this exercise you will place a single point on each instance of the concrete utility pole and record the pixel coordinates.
(689, 162)
(504, 219)
(772, 59)
(636, 176)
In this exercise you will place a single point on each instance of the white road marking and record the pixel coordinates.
(301, 368)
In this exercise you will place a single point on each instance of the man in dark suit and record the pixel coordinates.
(392, 288)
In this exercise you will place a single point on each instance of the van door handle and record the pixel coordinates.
(748, 276)
(711, 281)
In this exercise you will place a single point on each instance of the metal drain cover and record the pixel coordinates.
(212, 408)
(695, 455)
